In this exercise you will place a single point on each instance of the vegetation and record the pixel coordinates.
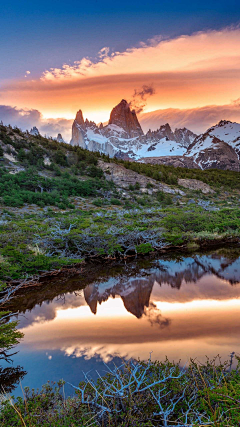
(136, 394)
(77, 214)
(31, 243)
(58, 208)
(170, 174)
(185, 226)
(28, 187)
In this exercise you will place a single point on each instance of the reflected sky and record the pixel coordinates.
(180, 309)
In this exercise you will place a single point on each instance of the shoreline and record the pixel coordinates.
(101, 262)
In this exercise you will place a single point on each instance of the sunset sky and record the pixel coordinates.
(58, 57)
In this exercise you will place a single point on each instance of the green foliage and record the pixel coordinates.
(203, 394)
(170, 174)
(45, 407)
(9, 336)
(163, 198)
(115, 201)
(225, 220)
(181, 226)
(29, 187)
(144, 248)
(60, 158)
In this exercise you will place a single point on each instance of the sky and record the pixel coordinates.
(58, 57)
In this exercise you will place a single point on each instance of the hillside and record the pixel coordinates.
(61, 204)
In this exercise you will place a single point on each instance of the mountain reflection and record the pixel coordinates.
(134, 286)
(10, 378)
(183, 307)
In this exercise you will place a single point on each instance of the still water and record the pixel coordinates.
(179, 307)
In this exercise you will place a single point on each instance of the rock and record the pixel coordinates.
(47, 161)
(176, 161)
(184, 136)
(123, 137)
(34, 131)
(123, 177)
(78, 131)
(125, 118)
(60, 138)
(218, 147)
(195, 184)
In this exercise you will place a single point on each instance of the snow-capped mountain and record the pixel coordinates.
(123, 136)
(218, 147)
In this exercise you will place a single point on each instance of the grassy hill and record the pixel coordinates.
(59, 207)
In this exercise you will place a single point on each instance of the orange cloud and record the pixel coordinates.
(189, 71)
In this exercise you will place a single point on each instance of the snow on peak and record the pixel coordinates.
(226, 131)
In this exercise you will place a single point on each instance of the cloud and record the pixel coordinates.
(155, 317)
(196, 119)
(202, 50)
(189, 71)
(25, 119)
(139, 98)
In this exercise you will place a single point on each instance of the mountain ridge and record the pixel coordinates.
(123, 137)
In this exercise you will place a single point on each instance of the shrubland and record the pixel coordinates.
(58, 208)
(135, 394)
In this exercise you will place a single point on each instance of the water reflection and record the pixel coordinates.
(10, 377)
(187, 307)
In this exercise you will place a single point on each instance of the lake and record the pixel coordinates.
(175, 306)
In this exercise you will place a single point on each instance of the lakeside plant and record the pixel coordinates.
(33, 243)
(135, 394)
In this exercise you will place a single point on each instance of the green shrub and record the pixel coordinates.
(115, 202)
(144, 248)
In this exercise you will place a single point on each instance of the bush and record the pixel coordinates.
(144, 248)
(115, 202)
(137, 393)
(60, 158)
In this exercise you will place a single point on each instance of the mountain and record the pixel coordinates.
(60, 138)
(218, 147)
(34, 131)
(123, 136)
(197, 119)
(124, 118)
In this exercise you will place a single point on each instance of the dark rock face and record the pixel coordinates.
(184, 136)
(222, 156)
(78, 131)
(164, 131)
(60, 138)
(176, 161)
(126, 119)
(34, 131)
(79, 119)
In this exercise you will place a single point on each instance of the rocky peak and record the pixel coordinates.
(125, 118)
(184, 136)
(78, 130)
(60, 138)
(79, 119)
(165, 131)
(223, 123)
(34, 131)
